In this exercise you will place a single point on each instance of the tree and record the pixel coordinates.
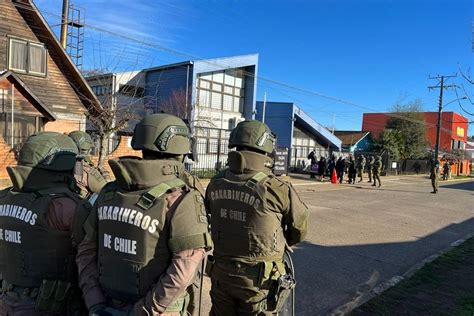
(466, 87)
(117, 109)
(404, 136)
(389, 142)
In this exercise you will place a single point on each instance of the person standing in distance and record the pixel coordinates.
(370, 167)
(42, 244)
(254, 217)
(434, 174)
(340, 168)
(376, 170)
(151, 225)
(361, 167)
(351, 169)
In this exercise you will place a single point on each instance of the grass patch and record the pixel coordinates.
(442, 287)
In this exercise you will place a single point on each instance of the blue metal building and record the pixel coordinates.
(216, 95)
(297, 131)
(227, 84)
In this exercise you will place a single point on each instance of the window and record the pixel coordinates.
(227, 102)
(218, 77)
(216, 101)
(37, 59)
(18, 55)
(204, 98)
(204, 84)
(221, 90)
(27, 57)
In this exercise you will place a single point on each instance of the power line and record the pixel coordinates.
(226, 66)
(441, 86)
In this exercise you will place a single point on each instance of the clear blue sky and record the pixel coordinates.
(371, 53)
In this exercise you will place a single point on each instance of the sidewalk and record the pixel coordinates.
(442, 287)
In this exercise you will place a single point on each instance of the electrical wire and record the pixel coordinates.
(222, 64)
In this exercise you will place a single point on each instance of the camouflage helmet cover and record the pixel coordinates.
(82, 140)
(253, 135)
(162, 133)
(48, 150)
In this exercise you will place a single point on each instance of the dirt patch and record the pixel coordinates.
(442, 287)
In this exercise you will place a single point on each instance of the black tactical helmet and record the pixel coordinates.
(82, 140)
(50, 151)
(163, 133)
(253, 135)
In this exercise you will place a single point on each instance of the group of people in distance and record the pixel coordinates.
(350, 166)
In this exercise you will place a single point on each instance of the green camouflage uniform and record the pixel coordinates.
(370, 166)
(376, 170)
(254, 216)
(361, 167)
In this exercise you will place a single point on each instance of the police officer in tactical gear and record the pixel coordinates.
(360, 167)
(151, 225)
(434, 174)
(376, 170)
(370, 167)
(42, 242)
(254, 217)
(89, 178)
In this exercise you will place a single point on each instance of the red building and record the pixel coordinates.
(453, 133)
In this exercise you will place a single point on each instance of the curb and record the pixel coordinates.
(346, 308)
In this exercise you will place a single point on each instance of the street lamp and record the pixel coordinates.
(438, 125)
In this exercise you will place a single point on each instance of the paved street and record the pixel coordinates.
(361, 234)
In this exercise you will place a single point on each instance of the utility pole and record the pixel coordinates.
(441, 87)
(333, 123)
(264, 106)
(64, 22)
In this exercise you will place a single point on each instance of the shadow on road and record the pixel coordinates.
(467, 186)
(343, 276)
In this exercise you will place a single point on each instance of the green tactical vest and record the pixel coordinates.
(30, 251)
(242, 227)
(89, 178)
(134, 227)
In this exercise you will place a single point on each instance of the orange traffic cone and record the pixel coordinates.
(333, 177)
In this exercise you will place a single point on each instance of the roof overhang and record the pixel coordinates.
(28, 94)
(317, 129)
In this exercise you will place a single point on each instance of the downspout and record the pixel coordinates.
(13, 114)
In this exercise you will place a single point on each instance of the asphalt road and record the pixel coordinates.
(360, 236)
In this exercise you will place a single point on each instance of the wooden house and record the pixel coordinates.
(40, 87)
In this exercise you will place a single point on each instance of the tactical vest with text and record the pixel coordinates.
(242, 227)
(31, 251)
(133, 235)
